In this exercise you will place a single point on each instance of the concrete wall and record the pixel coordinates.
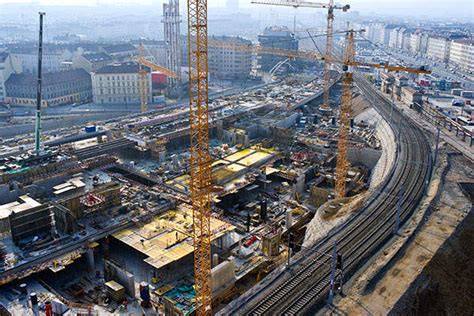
(118, 274)
(387, 141)
(223, 277)
(365, 156)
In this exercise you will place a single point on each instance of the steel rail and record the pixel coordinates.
(301, 287)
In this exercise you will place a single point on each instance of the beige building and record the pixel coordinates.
(91, 62)
(438, 48)
(418, 43)
(119, 84)
(410, 96)
(227, 62)
(462, 54)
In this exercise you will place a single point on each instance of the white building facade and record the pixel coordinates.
(462, 55)
(119, 84)
(227, 62)
(438, 48)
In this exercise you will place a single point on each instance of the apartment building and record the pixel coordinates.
(53, 56)
(393, 38)
(119, 52)
(59, 88)
(418, 43)
(438, 48)
(276, 37)
(375, 31)
(119, 84)
(91, 62)
(227, 62)
(462, 54)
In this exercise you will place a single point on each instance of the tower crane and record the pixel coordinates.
(142, 73)
(200, 160)
(258, 49)
(325, 107)
(348, 61)
(306, 55)
(342, 164)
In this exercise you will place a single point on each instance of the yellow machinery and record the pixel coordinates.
(346, 99)
(342, 164)
(200, 161)
(257, 49)
(142, 83)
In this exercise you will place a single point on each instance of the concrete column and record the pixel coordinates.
(300, 181)
(90, 260)
(289, 219)
(215, 260)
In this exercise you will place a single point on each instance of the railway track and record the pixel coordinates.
(302, 287)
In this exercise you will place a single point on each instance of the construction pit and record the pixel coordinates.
(117, 233)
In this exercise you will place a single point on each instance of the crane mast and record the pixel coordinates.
(327, 58)
(38, 87)
(142, 82)
(329, 37)
(200, 161)
(342, 164)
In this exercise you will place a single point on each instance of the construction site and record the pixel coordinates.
(270, 201)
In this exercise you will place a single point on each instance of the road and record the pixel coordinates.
(302, 287)
(439, 69)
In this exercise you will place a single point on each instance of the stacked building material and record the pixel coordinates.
(115, 291)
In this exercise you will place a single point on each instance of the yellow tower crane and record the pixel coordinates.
(342, 164)
(200, 161)
(346, 99)
(325, 107)
(142, 73)
(345, 113)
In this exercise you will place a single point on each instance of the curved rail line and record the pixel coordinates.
(302, 287)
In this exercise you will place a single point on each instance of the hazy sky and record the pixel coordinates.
(440, 8)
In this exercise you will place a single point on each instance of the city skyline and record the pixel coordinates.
(423, 8)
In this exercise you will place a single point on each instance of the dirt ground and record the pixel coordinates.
(431, 273)
(446, 284)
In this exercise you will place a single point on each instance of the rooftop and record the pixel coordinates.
(168, 237)
(124, 68)
(231, 39)
(277, 31)
(51, 78)
(24, 203)
(95, 57)
(117, 48)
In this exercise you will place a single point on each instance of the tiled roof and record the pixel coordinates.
(123, 68)
(51, 78)
(117, 48)
(95, 57)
